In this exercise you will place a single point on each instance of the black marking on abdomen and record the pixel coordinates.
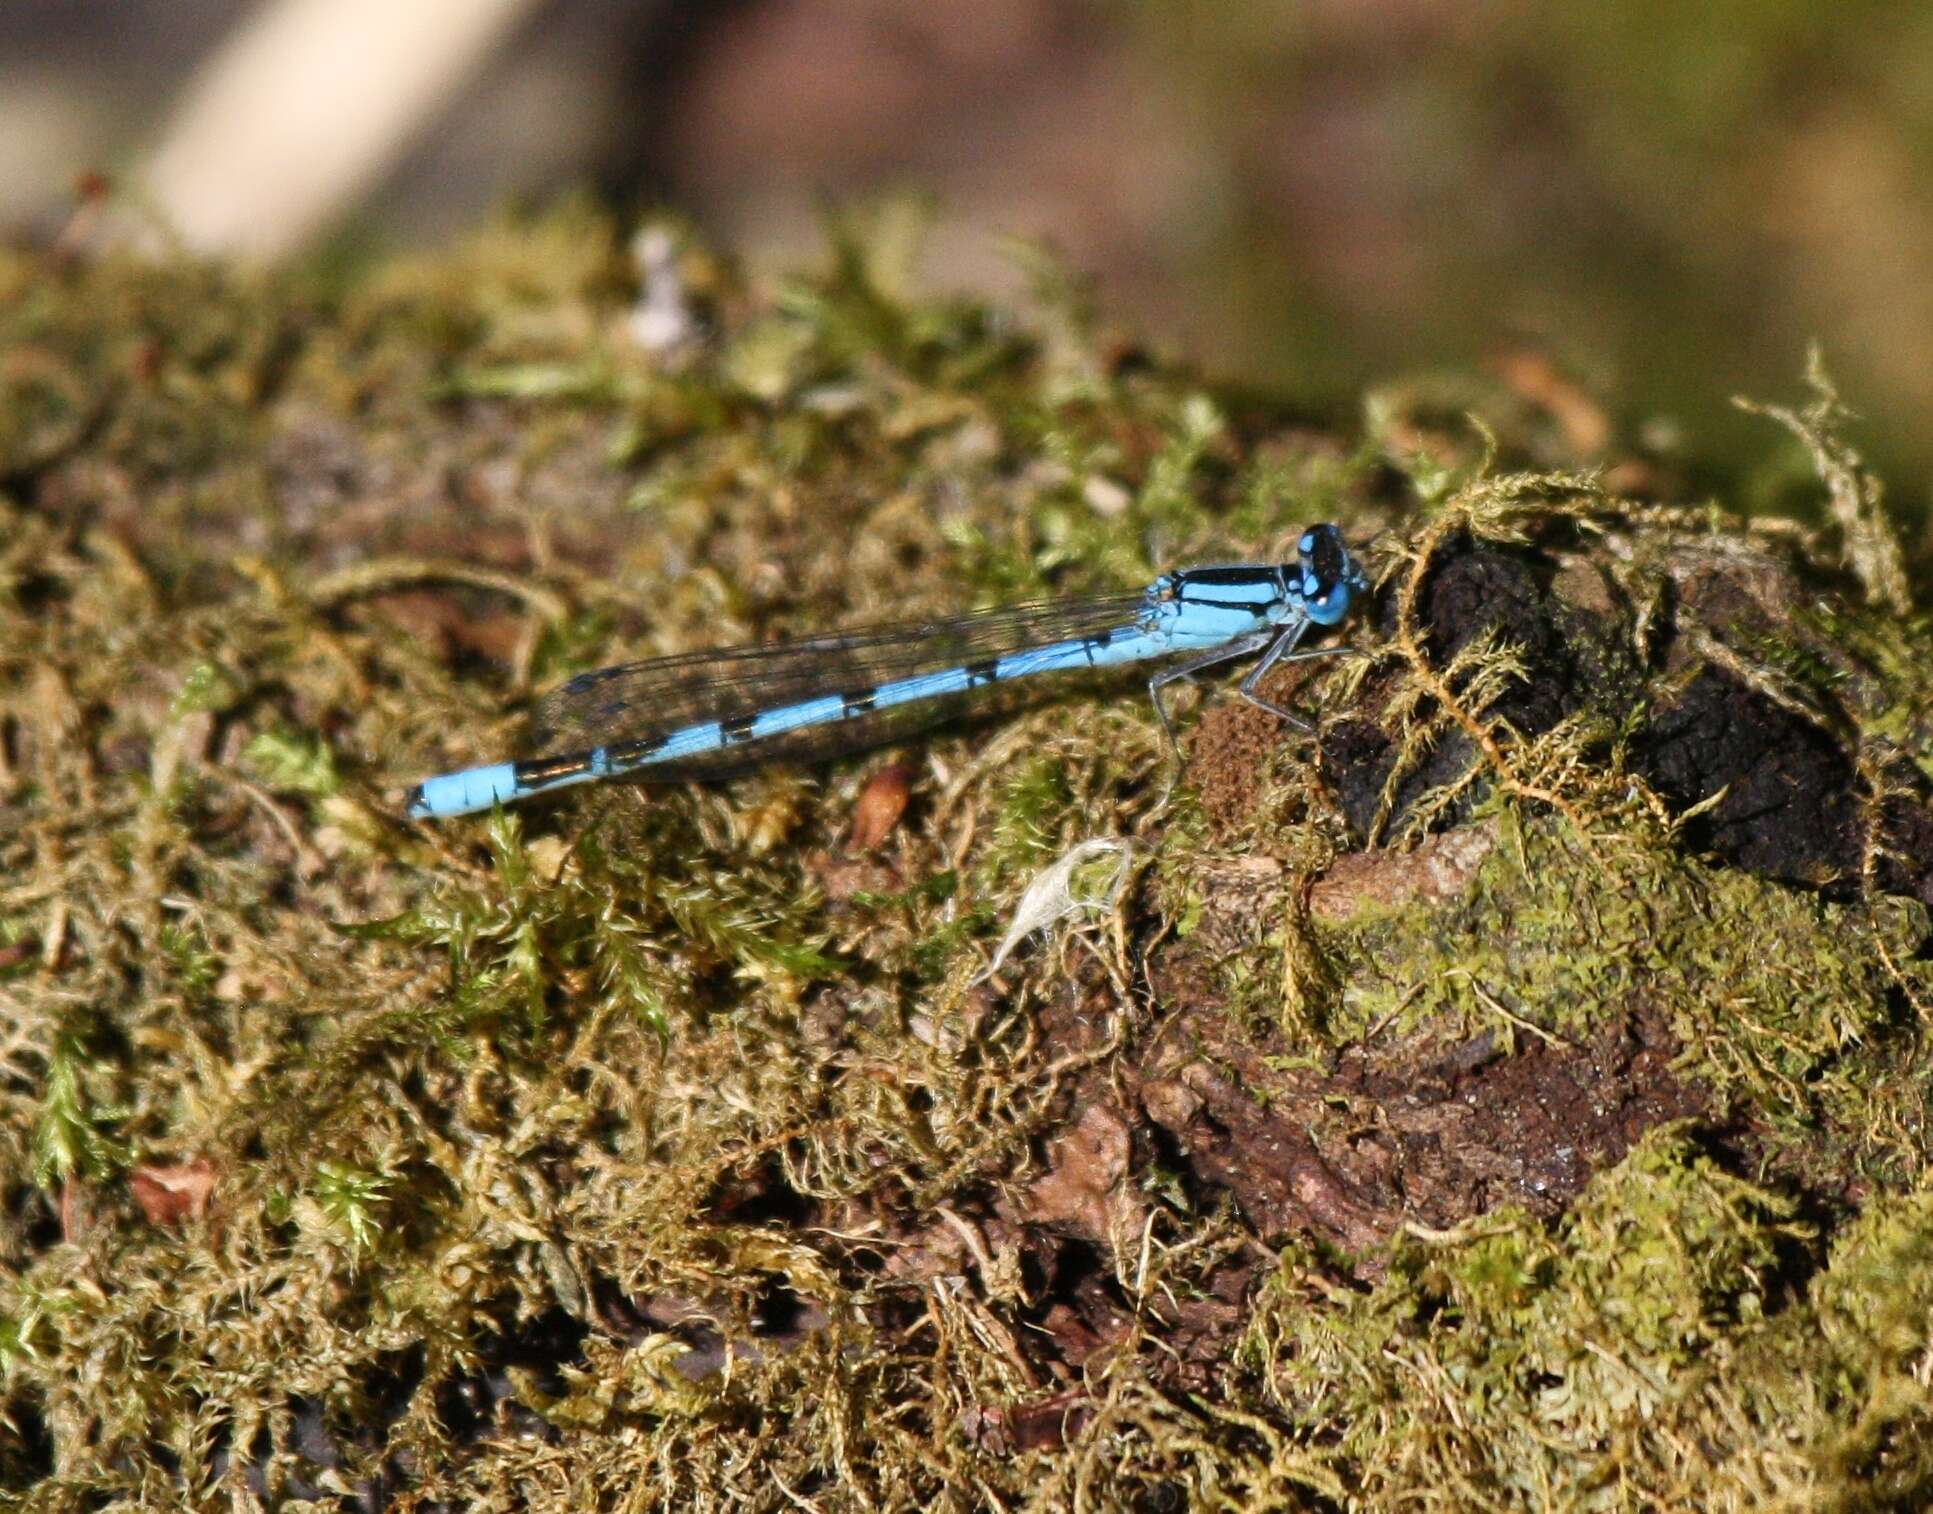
(738, 728)
(858, 702)
(631, 753)
(535, 772)
(978, 673)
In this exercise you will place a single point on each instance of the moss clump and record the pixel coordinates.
(659, 1147)
(1771, 991)
(1641, 1353)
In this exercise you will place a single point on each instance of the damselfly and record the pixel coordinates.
(708, 713)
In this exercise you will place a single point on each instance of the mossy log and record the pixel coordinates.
(1510, 1094)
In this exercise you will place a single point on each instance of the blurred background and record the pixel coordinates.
(1667, 200)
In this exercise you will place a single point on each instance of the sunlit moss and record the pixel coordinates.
(277, 546)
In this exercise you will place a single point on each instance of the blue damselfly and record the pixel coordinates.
(707, 713)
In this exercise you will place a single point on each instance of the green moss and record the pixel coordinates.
(1648, 1352)
(273, 548)
(72, 1137)
(1768, 988)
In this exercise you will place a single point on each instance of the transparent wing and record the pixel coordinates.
(640, 701)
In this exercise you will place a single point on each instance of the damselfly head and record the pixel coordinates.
(1327, 576)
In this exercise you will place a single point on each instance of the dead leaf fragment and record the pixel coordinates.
(1044, 1425)
(879, 807)
(1086, 1186)
(171, 1195)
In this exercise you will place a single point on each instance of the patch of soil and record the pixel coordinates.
(1410, 1132)
(1228, 757)
(1791, 804)
(1470, 1127)
(1471, 592)
(1406, 1132)
(1788, 802)
(1414, 1132)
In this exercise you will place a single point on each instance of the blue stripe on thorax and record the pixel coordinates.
(1262, 588)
